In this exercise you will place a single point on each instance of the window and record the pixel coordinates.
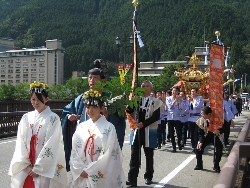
(10, 76)
(10, 61)
(17, 75)
(41, 75)
(33, 75)
(17, 81)
(17, 70)
(10, 71)
(2, 76)
(10, 66)
(41, 70)
(10, 81)
(2, 66)
(2, 71)
(25, 60)
(2, 81)
(2, 61)
(18, 60)
(25, 75)
(41, 80)
(27, 80)
(41, 59)
(41, 65)
(25, 70)
(25, 65)
(18, 65)
(33, 59)
(33, 64)
(33, 70)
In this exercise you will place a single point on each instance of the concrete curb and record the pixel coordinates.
(229, 171)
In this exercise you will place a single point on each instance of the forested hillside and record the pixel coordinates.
(170, 29)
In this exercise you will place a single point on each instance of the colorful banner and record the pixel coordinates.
(216, 86)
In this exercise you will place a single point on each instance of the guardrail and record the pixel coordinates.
(229, 171)
(9, 122)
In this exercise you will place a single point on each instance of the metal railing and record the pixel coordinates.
(229, 171)
(25, 105)
(9, 122)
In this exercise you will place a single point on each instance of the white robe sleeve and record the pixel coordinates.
(20, 158)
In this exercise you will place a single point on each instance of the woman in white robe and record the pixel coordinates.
(38, 160)
(96, 159)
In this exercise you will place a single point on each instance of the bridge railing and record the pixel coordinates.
(25, 105)
(9, 122)
(229, 171)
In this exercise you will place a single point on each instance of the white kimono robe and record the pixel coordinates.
(105, 168)
(50, 158)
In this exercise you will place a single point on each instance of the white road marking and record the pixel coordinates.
(172, 174)
(7, 142)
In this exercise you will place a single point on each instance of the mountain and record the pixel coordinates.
(170, 29)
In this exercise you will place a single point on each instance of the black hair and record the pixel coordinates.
(40, 95)
(169, 92)
(207, 110)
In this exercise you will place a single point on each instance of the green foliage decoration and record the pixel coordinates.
(118, 99)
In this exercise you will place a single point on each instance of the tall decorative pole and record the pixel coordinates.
(135, 71)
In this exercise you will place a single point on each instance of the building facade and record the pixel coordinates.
(152, 68)
(43, 64)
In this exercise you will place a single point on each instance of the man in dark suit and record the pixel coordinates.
(144, 135)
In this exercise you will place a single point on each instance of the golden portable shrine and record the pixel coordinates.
(192, 77)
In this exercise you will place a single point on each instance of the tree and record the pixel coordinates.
(21, 91)
(57, 91)
(7, 92)
(75, 87)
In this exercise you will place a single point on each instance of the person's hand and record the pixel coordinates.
(73, 117)
(33, 174)
(84, 174)
(232, 123)
(30, 172)
(139, 125)
(28, 169)
(190, 99)
(186, 111)
(199, 146)
(217, 132)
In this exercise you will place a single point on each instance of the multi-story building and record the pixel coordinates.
(44, 64)
(6, 44)
(152, 68)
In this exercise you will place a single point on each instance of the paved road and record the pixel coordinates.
(171, 169)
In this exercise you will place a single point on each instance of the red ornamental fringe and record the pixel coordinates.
(216, 86)
(131, 121)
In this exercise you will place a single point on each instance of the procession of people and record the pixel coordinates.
(87, 141)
